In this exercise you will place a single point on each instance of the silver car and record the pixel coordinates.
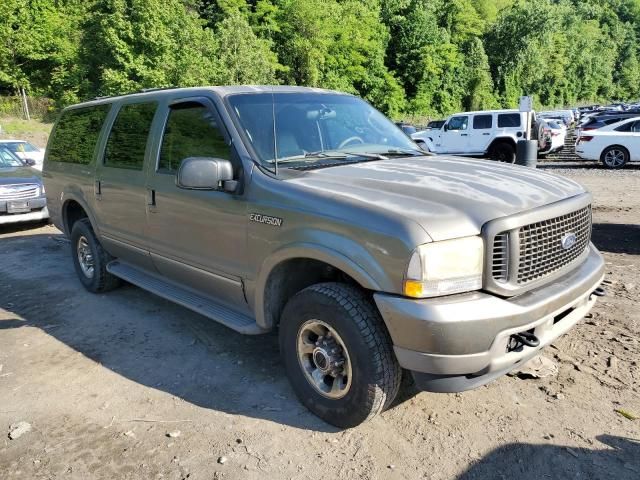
(22, 195)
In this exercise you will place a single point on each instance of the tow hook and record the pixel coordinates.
(517, 340)
(599, 292)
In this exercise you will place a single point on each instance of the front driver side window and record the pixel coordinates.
(458, 123)
(192, 130)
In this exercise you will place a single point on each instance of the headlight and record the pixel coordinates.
(445, 268)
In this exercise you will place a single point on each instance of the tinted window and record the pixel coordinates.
(192, 131)
(128, 137)
(458, 123)
(508, 120)
(481, 122)
(629, 127)
(611, 121)
(76, 134)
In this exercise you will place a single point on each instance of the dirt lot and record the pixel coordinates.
(104, 379)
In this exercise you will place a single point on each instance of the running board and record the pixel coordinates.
(221, 314)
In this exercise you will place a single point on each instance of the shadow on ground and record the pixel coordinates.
(144, 338)
(619, 460)
(617, 238)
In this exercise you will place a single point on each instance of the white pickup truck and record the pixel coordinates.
(493, 134)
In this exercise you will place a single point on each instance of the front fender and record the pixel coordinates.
(349, 257)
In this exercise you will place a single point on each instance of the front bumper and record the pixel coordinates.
(459, 342)
(33, 216)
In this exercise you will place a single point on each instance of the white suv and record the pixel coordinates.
(492, 134)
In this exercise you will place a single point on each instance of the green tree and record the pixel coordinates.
(241, 57)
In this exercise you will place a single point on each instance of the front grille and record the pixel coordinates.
(19, 192)
(540, 248)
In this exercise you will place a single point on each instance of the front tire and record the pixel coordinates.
(615, 157)
(90, 259)
(338, 354)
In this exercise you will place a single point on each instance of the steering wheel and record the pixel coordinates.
(350, 140)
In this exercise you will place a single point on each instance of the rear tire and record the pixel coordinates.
(614, 157)
(337, 325)
(90, 259)
(504, 152)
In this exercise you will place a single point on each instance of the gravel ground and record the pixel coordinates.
(127, 385)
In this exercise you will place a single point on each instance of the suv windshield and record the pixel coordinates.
(8, 159)
(316, 129)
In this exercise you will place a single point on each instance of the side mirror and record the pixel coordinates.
(202, 173)
(30, 162)
(445, 127)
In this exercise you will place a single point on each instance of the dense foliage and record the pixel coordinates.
(408, 57)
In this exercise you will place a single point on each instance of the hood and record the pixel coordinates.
(449, 197)
(13, 175)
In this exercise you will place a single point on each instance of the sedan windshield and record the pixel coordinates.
(316, 129)
(8, 159)
(21, 147)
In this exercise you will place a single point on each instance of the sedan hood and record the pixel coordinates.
(449, 197)
(13, 175)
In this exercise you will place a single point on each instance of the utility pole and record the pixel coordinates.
(25, 104)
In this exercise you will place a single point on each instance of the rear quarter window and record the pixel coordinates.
(509, 120)
(76, 134)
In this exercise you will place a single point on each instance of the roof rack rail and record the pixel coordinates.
(142, 90)
(154, 89)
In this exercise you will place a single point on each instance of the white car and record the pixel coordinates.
(551, 136)
(25, 151)
(614, 145)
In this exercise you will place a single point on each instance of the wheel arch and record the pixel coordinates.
(73, 209)
(289, 271)
(498, 140)
(615, 145)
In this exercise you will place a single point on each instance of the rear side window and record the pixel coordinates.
(629, 127)
(482, 122)
(192, 130)
(128, 137)
(76, 134)
(508, 120)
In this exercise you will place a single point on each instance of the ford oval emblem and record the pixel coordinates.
(569, 240)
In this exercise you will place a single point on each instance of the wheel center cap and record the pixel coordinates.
(322, 359)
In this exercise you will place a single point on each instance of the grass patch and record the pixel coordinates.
(19, 127)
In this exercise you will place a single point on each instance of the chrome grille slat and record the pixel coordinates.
(19, 192)
(500, 259)
(540, 252)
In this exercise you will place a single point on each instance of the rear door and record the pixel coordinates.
(480, 133)
(196, 237)
(119, 189)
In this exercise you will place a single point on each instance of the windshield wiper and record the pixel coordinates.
(404, 152)
(345, 154)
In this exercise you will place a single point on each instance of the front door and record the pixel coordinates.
(196, 237)
(120, 183)
(454, 135)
